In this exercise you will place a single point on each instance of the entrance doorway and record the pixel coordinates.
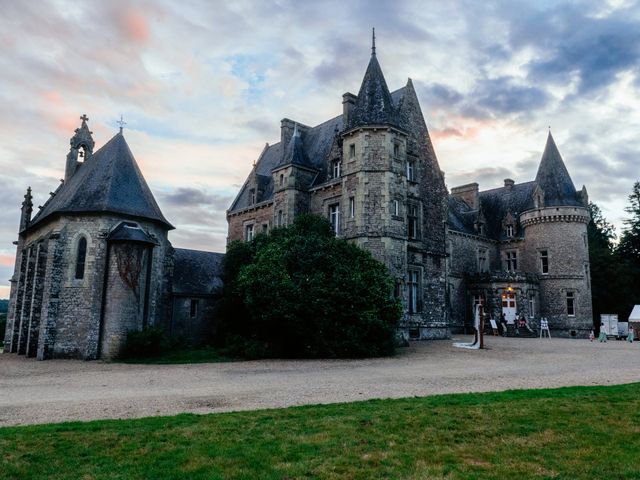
(509, 306)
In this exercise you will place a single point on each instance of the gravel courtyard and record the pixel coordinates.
(61, 390)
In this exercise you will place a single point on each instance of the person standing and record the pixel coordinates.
(630, 335)
(603, 335)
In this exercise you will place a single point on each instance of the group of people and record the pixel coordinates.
(602, 337)
(521, 322)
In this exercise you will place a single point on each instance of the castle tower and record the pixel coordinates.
(555, 230)
(395, 196)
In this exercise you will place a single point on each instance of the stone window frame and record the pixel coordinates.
(413, 221)
(73, 263)
(336, 168)
(252, 196)
(396, 208)
(543, 263)
(352, 207)
(509, 230)
(333, 213)
(483, 259)
(249, 231)
(414, 289)
(352, 151)
(570, 302)
(511, 260)
(411, 172)
(281, 179)
(265, 228)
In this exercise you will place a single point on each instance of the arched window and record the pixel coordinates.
(80, 259)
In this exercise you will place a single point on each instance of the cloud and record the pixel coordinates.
(503, 96)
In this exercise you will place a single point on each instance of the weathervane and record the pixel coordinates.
(122, 123)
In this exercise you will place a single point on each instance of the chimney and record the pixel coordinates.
(468, 194)
(25, 212)
(286, 131)
(348, 101)
(508, 183)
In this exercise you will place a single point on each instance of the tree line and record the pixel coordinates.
(615, 265)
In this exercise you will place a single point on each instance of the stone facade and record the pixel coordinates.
(95, 262)
(373, 172)
(522, 250)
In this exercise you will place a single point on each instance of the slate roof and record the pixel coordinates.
(196, 272)
(130, 232)
(374, 105)
(108, 181)
(316, 144)
(295, 153)
(554, 179)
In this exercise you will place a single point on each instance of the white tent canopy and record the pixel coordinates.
(635, 314)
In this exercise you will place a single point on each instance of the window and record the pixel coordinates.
(511, 261)
(281, 179)
(395, 208)
(571, 305)
(265, 228)
(414, 290)
(248, 233)
(352, 207)
(411, 170)
(532, 305)
(352, 151)
(81, 258)
(252, 193)
(396, 151)
(335, 168)
(334, 217)
(413, 230)
(279, 218)
(483, 264)
(509, 231)
(193, 308)
(544, 262)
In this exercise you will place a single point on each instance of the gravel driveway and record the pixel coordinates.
(60, 390)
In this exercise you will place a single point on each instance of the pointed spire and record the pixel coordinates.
(553, 177)
(374, 105)
(27, 208)
(373, 42)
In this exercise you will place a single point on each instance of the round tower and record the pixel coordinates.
(555, 232)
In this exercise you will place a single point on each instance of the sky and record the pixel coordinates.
(202, 85)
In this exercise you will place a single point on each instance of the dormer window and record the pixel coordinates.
(252, 194)
(82, 154)
(335, 168)
(509, 230)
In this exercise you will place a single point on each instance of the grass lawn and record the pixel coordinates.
(569, 433)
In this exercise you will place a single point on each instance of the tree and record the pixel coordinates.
(302, 292)
(605, 265)
(628, 251)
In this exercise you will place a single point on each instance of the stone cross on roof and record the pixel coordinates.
(122, 123)
(84, 117)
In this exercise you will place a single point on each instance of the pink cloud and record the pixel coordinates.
(7, 260)
(134, 25)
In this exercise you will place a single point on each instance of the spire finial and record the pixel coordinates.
(84, 118)
(122, 123)
(373, 42)
(296, 133)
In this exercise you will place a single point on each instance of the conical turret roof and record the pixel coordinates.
(374, 105)
(109, 181)
(553, 177)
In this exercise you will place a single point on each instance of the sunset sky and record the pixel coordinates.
(203, 85)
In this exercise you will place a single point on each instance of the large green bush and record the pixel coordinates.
(302, 292)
